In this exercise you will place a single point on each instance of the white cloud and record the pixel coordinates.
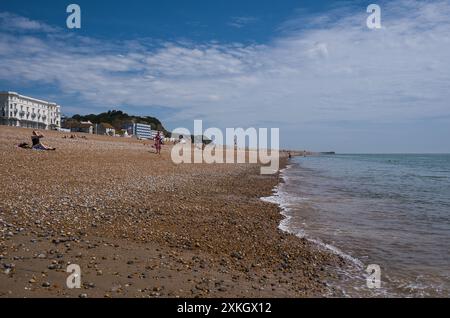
(10, 21)
(309, 77)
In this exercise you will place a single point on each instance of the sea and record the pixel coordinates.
(391, 211)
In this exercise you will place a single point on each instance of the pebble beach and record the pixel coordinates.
(139, 225)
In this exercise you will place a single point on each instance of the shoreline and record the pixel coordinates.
(276, 198)
(140, 226)
(328, 224)
(353, 270)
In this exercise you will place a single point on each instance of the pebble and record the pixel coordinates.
(52, 266)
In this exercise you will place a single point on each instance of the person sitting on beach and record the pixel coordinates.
(36, 140)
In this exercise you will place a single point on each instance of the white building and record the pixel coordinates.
(24, 111)
(141, 131)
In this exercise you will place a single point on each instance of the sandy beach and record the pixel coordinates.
(141, 226)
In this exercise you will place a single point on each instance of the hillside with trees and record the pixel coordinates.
(115, 118)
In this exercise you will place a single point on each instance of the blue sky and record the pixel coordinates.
(199, 20)
(311, 68)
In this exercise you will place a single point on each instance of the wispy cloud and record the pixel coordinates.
(240, 22)
(10, 21)
(307, 78)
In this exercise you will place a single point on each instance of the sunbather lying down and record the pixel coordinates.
(36, 140)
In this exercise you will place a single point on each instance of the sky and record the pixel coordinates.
(313, 69)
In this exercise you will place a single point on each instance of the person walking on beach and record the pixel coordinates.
(36, 140)
(158, 143)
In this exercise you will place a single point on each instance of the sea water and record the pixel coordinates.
(391, 210)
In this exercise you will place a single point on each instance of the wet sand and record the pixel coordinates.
(141, 226)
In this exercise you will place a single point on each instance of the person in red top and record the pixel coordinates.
(158, 143)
